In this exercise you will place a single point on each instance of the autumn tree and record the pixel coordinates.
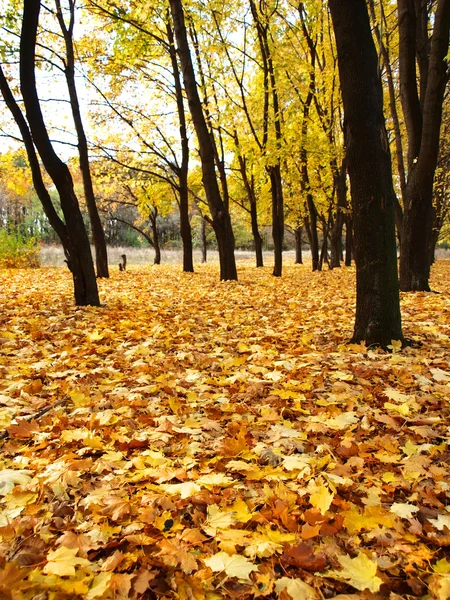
(378, 319)
(98, 234)
(71, 231)
(220, 217)
(142, 55)
(422, 101)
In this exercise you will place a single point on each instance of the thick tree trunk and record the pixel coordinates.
(78, 248)
(298, 245)
(185, 225)
(423, 120)
(220, 221)
(378, 319)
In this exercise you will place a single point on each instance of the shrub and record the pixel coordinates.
(18, 252)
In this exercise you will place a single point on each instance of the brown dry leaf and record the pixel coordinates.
(177, 555)
(116, 508)
(24, 429)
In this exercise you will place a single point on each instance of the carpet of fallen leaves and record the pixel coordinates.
(220, 440)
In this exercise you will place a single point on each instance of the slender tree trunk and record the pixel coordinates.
(423, 114)
(336, 231)
(348, 240)
(78, 248)
(155, 237)
(98, 233)
(298, 245)
(274, 171)
(314, 236)
(185, 225)
(220, 221)
(256, 236)
(378, 319)
(277, 218)
(251, 195)
(204, 240)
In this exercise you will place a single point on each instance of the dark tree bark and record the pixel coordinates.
(274, 171)
(204, 240)
(379, 27)
(155, 236)
(220, 220)
(378, 319)
(298, 245)
(348, 240)
(340, 176)
(183, 192)
(98, 233)
(423, 113)
(313, 234)
(249, 185)
(72, 233)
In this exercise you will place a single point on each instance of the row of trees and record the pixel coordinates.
(247, 94)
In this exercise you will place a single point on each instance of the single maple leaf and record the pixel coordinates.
(360, 572)
(24, 429)
(303, 556)
(63, 561)
(116, 508)
(296, 588)
(11, 477)
(234, 566)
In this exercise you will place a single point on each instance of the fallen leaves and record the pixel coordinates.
(220, 440)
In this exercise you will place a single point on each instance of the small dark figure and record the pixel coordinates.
(123, 264)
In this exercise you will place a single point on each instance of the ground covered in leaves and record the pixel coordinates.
(220, 440)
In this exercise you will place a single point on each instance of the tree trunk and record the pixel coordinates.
(340, 176)
(378, 318)
(262, 27)
(348, 240)
(298, 245)
(277, 218)
(251, 195)
(423, 121)
(314, 236)
(78, 248)
(256, 236)
(220, 221)
(155, 236)
(185, 225)
(98, 233)
(204, 240)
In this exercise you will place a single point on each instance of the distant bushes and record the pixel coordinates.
(17, 251)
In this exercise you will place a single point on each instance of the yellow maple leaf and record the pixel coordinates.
(321, 498)
(360, 572)
(234, 566)
(63, 561)
(296, 588)
(99, 586)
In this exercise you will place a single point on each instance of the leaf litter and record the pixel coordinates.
(220, 440)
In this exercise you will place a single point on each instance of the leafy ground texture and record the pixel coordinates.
(220, 440)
